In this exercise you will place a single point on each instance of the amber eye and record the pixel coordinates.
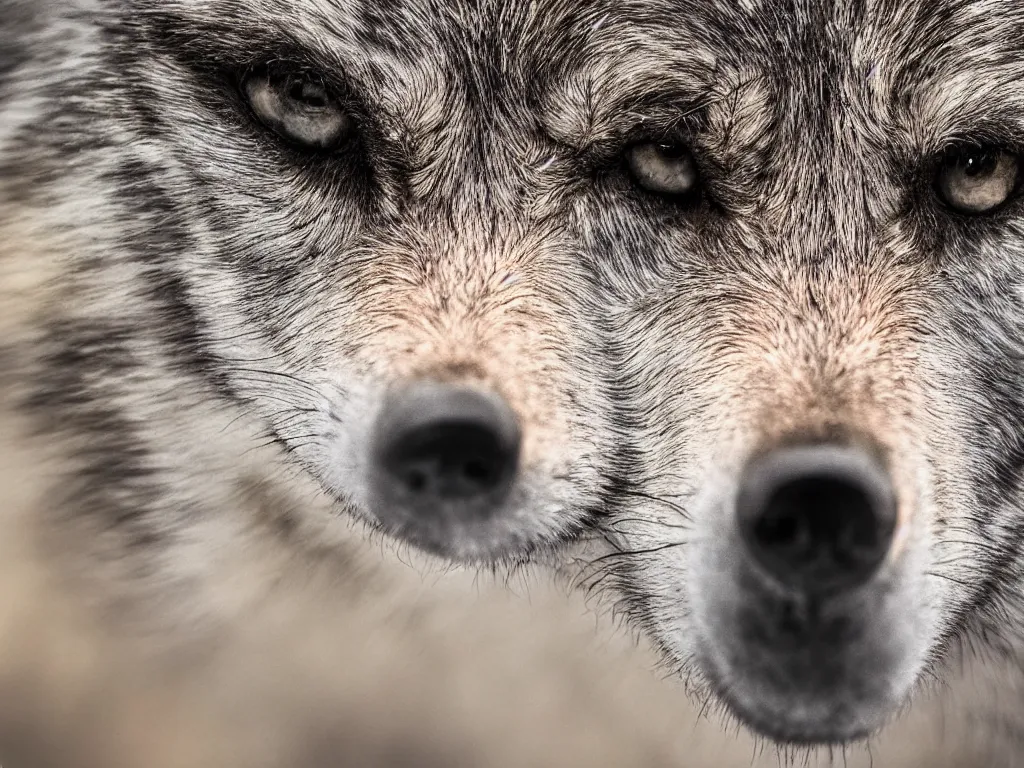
(664, 168)
(298, 107)
(977, 179)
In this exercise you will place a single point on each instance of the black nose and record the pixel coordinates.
(444, 454)
(818, 518)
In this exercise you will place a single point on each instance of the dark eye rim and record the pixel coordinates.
(953, 153)
(688, 200)
(291, 69)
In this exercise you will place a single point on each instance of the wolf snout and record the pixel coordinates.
(818, 519)
(809, 619)
(444, 460)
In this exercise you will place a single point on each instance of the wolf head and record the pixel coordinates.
(358, 223)
(824, 356)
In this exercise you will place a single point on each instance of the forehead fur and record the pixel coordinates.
(485, 60)
(591, 72)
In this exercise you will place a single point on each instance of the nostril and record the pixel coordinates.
(817, 518)
(416, 481)
(782, 530)
(456, 456)
(477, 472)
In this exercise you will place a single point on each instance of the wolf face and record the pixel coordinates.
(340, 225)
(823, 352)
(348, 223)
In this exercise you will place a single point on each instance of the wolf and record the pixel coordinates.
(342, 664)
(287, 247)
(821, 352)
(348, 660)
(381, 258)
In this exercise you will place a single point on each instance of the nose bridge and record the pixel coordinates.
(475, 301)
(842, 316)
(477, 180)
(466, 250)
(461, 293)
(474, 163)
(821, 215)
(833, 357)
(837, 338)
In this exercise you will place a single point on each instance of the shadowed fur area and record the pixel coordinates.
(656, 245)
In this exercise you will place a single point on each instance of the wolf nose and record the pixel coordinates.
(442, 451)
(817, 518)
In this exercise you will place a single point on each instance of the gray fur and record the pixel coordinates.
(821, 290)
(230, 308)
(294, 291)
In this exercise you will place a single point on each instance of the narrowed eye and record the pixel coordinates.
(298, 107)
(977, 180)
(664, 168)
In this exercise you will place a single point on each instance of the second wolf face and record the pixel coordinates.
(825, 360)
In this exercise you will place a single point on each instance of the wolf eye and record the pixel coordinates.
(977, 179)
(665, 168)
(297, 107)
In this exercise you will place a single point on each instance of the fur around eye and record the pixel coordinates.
(977, 180)
(664, 168)
(298, 108)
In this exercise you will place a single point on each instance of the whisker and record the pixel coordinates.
(950, 579)
(649, 521)
(259, 372)
(681, 511)
(983, 546)
(622, 553)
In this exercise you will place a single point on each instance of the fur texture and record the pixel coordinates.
(821, 290)
(296, 290)
(226, 312)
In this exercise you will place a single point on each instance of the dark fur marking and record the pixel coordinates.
(117, 479)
